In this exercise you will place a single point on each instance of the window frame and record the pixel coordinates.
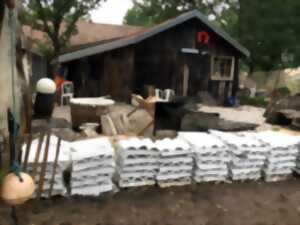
(220, 78)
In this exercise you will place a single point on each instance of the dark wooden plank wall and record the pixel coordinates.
(104, 74)
(157, 61)
(160, 63)
(217, 46)
(117, 74)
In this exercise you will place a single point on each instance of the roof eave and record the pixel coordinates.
(149, 33)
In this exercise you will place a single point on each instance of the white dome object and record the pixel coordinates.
(46, 86)
(15, 192)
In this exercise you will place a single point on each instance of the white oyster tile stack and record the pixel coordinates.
(175, 163)
(283, 151)
(137, 162)
(247, 155)
(297, 169)
(93, 167)
(211, 157)
(64, 163)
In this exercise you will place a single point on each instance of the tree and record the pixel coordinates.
(150, 12)
(268, 29)
(57, 19)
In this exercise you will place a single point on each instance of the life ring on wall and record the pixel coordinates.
(203, 37)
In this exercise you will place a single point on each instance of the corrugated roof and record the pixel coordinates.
(88, 33)
(142, 35)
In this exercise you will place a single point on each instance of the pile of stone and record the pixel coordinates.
(93, 167)
(283, 151)
(211, 157)
(62, 165)
(247, 155)
(175, 163)
(137, 162)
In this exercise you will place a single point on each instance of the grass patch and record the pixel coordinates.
(256, 101)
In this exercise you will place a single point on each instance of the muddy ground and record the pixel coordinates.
(254, 203)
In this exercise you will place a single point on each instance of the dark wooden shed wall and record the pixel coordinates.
(157, 61)
(110, 73)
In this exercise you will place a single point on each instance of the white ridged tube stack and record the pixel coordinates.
(64, 162)
(175, 163)
(210, 155)
(93, 167)
(283, 151)
(247, 155)
(137, 162)
(297, 169)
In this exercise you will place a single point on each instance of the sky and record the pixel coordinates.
(112, 11)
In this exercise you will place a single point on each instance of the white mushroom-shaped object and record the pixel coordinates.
(16, 191)
(46, 86)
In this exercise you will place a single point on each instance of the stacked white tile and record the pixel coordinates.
(247, 155)
(297, 169)
(137, 162)
(283, 151)
(64, 162)
(93, 167)
(175, 163)
(211, 157)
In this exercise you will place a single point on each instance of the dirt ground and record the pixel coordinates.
(248, 203)
(254, 203)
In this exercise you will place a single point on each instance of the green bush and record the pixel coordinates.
(283, 91)
(256, 101)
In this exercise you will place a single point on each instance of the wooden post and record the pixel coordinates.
(236, 79)
(186, 79)
(54, 167)
(44, 167)
(37, 157)
(27, 152)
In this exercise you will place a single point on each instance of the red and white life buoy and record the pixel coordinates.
(203, 37)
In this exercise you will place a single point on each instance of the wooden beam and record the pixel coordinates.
(54, 167)
(44, 167)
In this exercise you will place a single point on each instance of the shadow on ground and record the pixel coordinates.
(252, 203)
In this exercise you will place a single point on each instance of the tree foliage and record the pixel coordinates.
(150, 12)
(57, 19)
(266, 28)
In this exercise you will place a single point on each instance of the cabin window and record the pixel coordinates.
(222, 68)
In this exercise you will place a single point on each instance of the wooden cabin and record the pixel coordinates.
(188, 54)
